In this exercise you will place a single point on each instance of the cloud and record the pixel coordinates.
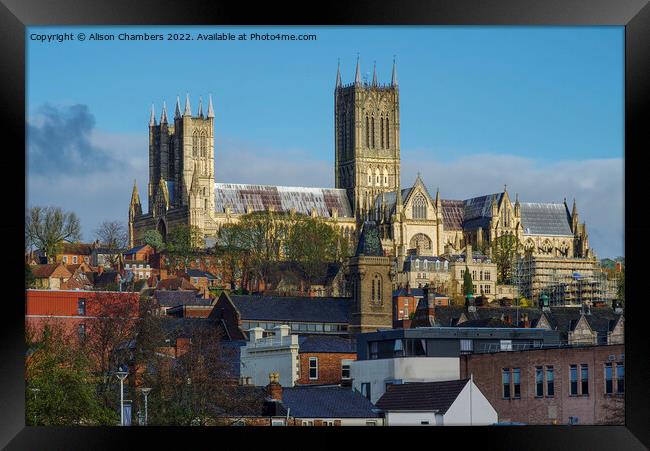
(59, 142)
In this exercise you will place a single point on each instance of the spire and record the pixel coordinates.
(437, 196)
(393, 80)
(163, 116)
(177, 112)
(374, 74)
(357, 76)
(152, 119)
(188, 111)
(210, 109)
(200, 113)
(574, 210)
(135, 197)
(338, 74)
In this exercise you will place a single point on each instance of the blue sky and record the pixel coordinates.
(538, 108)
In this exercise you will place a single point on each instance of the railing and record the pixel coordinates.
(484, 348)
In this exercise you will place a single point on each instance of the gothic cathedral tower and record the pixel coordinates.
(367, 154)
(181, 163)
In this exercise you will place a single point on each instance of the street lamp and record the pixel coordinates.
(145, 391)
(121, 375)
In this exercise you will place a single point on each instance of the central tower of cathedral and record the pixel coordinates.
(366, 118)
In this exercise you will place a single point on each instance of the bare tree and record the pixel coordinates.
(47, 228)
(114, 237)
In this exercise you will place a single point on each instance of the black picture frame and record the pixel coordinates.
(15, 15)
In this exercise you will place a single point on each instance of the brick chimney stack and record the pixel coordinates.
(274, 389)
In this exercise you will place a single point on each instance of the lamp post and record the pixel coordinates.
(121, 375)
(145, 391)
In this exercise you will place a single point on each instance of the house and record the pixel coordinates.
(420, 270)
(141, 269)
(203, 280)
(50, 276)
(109, 279)
(431, 354)
(482, 270)
(300, 360)
(138, 253)
(176, 299)
(73, 253)
(555, 385)
(303, 315)
(406, 300)
(445, 403)
(176, 283)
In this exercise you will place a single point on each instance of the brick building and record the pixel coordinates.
(325, 359)
(564, 385)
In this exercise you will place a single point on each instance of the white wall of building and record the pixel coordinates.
(410, 418)
(408, 369)
(278, 353)
(471, 408)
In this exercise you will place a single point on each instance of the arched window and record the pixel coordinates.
(381, 130)
(376, 288)
(350, 131)
(372, 131)
(419, 207)
(377, 180)
(344, 134)
(367, 131)
(369, 176)
(385, 177)
(204, 144)
(195, 143)
(387, 134)
(205, 203)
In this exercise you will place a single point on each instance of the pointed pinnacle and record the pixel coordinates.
(188, 111)
(200, 114)
(374, 74)
(177, 113)
(210, 108)
(393, 80)
(163, 116)
(357, 76)
(338, 74)
(152, 119)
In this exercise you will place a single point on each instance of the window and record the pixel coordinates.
(367, 132)
(573, 377)
(620, 377)
(372, 132)
(480, 273)
(387, 134)
(609, 382)
(313, 368)
(584, 379)
(550, 381)
(365, 390)
(466, 346)
(419, 209)
(516, 373)
(277, 422)
(487, 289)
(506, 345)
(307, 423)
(374, 350)
(328, 422)
(82, 331)
(86, 259)
(398, 349)
(345, 369)
(474, 276)
(486, 275)
(371, 423)
(424, 422)
(65, 259)
(539, 381)
(505, 377)
(74, 259)
(81, 306)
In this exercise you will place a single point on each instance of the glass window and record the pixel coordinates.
(505, 378)
(365, 389)
(584, 378)
(506, 345)
(345, 369)
(620, 377)
(82, 331)
(573, 377)
(516, 373)
(398, 349)
(65, 259)
(313, 368)
(294, 326)
(81, 306)
(327, 327)
(466, 345)
(374, 350)
(319, 327)
(307, 423)
(371, 423)
(539, 381)
(311, 327)
(74, 259)
(550, 381)
(609, 386)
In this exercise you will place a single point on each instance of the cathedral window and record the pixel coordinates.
(350, 131)
(387, 134)
(367, 131)
(381, 130)
(204, 144)
(195, 143)
(372, 131)
(377, 177)
(385, 177)
(419, 208)
(344, 134)
(369, 176)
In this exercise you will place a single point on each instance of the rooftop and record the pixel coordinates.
(421, 396)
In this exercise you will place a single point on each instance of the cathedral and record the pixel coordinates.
(182, 189)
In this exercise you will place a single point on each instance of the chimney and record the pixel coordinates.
(468, 253)
(281, 331)
(256, 333)
(274, 389)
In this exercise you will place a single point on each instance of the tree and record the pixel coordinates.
(468, 285)
(60, 387)
(114, 237)
(154, 239)
(183, 243)
(231, 247)
(29, 277)
(312, 243)
(620, 288)
(47, 228)
(504, 254)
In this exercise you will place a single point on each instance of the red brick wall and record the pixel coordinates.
(329, 367)
(596, 408)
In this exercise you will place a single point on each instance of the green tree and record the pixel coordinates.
(312, 243)
(154, 239)
(60, 388)
(620, 288)
(231, 247)
(504, 254)
(47, 228)
(29, 277)
(468, 285)
(183, 243)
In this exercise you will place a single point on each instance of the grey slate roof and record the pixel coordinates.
(327, 402)
(478, 207)
(453, 212)
(422, 396)
(545, 219)
(272, 308)
(172, 298)
(198, 273)
(239, 196)
(326, 343)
